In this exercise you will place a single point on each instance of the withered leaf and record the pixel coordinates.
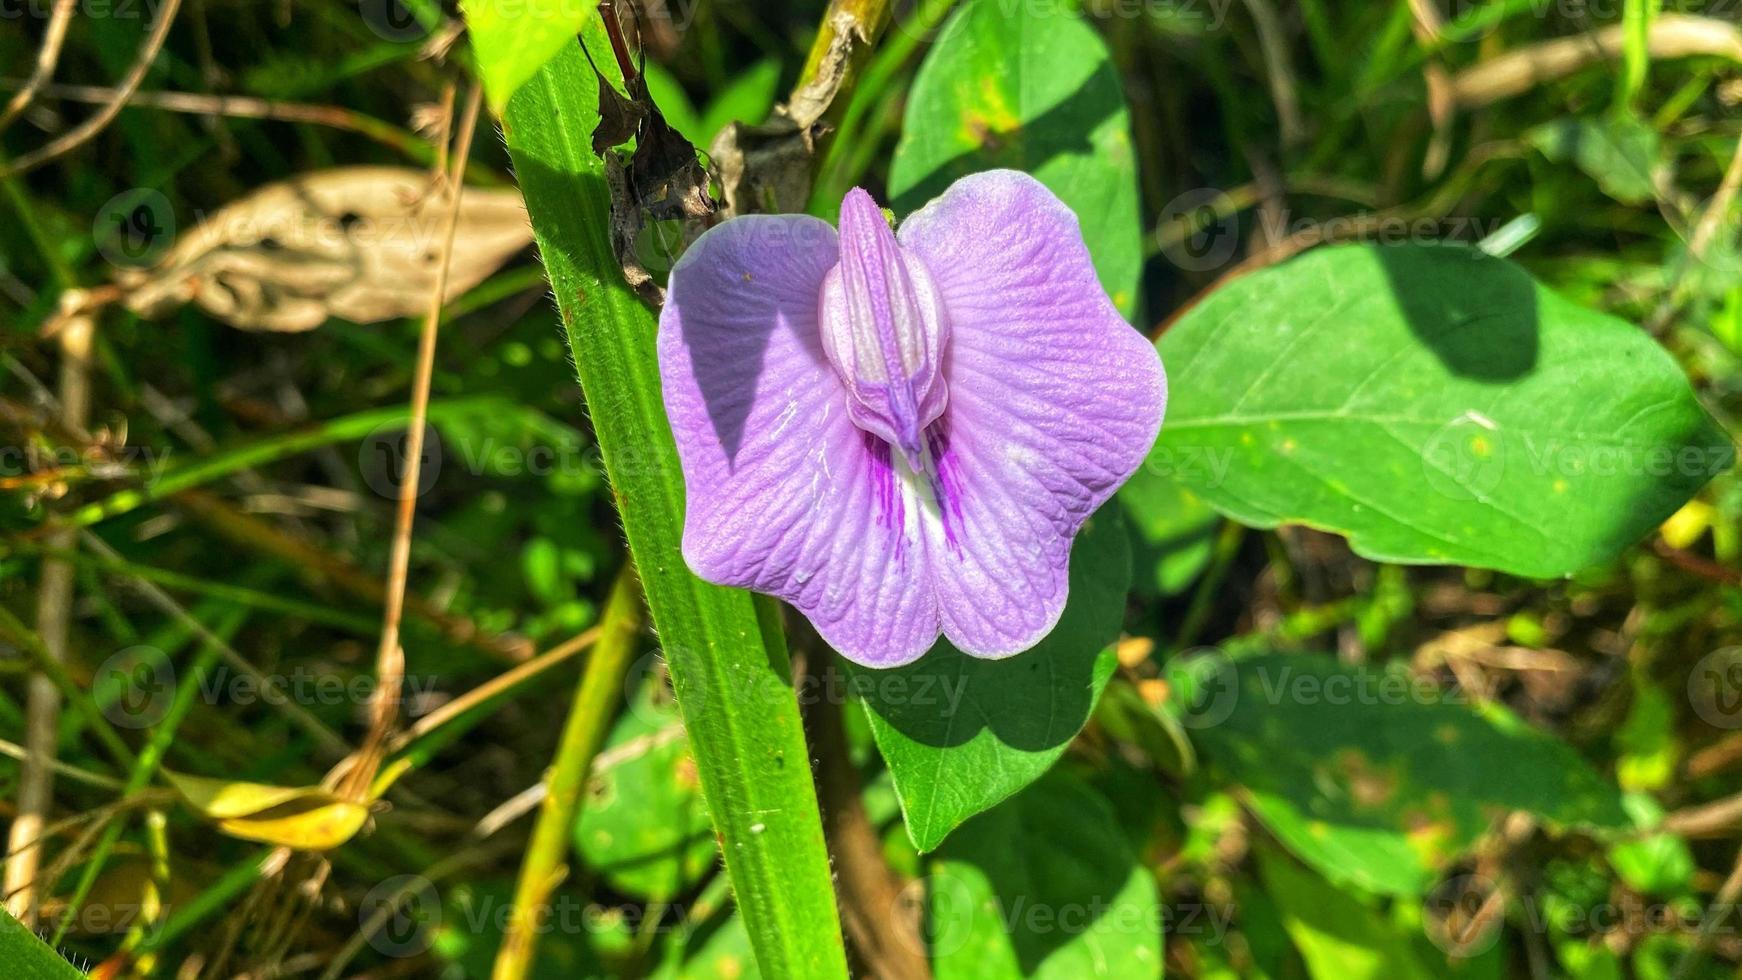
(358, 243)
(664, 178)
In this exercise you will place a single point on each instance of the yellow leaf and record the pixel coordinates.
(308, 818)
(1685, 526)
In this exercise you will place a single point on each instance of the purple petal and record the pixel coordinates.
(785, 494)
(883, 330)
(1054, 400)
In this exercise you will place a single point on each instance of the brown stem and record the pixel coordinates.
(54, 599)
(883, 928)
(53, 39)
(86, 131)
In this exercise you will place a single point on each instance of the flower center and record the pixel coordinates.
(884, 331)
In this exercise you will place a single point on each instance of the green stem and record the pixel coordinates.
(175, 479)
(583, 735)
(728, 663)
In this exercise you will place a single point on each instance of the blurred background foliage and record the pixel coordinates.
(1272, 845)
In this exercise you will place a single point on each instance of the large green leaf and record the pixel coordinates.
(644, 826)
(1436, 405)
(1172, 530)
(727, 658)
(961, 733)
(1338, 937)
(27, 957)
(1375, 778)
(1028, 86)
(1044, 887)
(512, 39)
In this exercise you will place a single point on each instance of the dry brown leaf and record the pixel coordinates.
(358, 243)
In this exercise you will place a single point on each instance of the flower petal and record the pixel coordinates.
(1054, 400)
(883, 330)
(785, 494)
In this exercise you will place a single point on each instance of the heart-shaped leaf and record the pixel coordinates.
(1377, 779)
(1030, 87)
(960, 733)
(1435, 404)
(1044, 886)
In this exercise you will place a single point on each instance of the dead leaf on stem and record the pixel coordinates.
(359, 243)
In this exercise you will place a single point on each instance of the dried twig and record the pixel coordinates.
(241, 107)
(1517, 72)
(84, 132)
(54, 599)
(389, 658)
(54, 37)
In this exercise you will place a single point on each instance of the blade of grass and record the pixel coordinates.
(584, 732)
(728, 662)
(26, 957)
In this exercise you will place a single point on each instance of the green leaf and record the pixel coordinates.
(29, 958)
(1044, 887)
(727, 659)
(961, 733)
(1338, 937)
(1030, 87)
(1173, 532)
(748, 99)
(1620, 153)
(513, 39)
(1377, 779)
(1436, 405)
(644, 826)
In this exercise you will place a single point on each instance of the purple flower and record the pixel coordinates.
(901, 434)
